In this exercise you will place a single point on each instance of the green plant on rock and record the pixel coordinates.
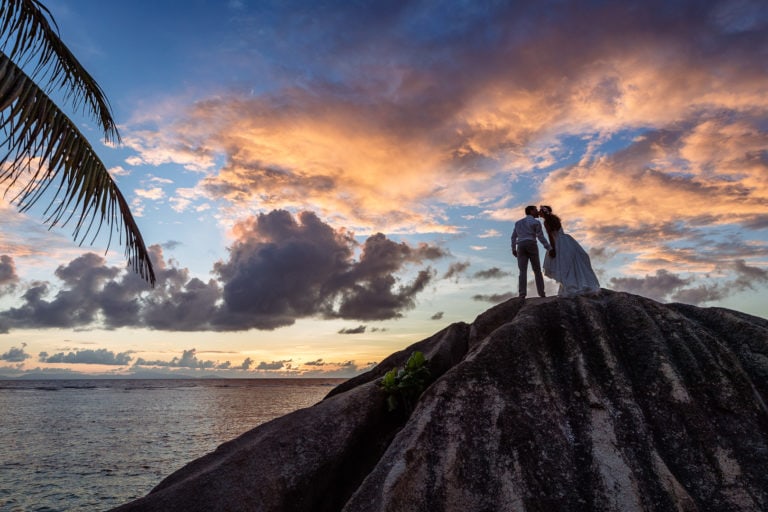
(405, 385)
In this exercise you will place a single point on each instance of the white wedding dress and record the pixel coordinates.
(570, 267)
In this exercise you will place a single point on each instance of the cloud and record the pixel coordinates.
(510, 108)
(15, 355)
(489, 233)
(408, 113)
(321, 368)
(747, 276)
(493, 298)
(665, 192)
(437, 316)
(8, 277)
(154, 193)
(643, 121)
(274, 365)
(280, 268)
(171, 245)
(665, 285)
(158, 150)
(118, 171)
(74, 305)
(188, 359)
(187, 198)
(657, 286)
(353, 330)
(491, 273)
(456, 269)
(699, 294)
(88, 356)
(178, 302)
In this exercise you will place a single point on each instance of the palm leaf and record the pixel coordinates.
(29, 39)
(40, 146)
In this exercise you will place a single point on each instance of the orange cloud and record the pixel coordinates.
(395, 148)
(668, 197)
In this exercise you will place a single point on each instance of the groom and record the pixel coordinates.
(524, 248)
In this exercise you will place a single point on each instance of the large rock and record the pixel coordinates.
(612, 402)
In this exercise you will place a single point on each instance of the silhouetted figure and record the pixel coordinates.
(571, 268)
(525, 249)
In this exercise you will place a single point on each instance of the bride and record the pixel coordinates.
(570, 267)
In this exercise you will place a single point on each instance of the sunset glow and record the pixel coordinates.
(323, 185)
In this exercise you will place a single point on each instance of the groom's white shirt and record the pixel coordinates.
(528, 228)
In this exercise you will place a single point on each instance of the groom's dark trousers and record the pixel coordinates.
(528, 250)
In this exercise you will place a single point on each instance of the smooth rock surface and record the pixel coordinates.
(611, 402)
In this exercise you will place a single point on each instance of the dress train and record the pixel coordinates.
(570, 267)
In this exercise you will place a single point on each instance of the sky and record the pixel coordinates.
(321, 184)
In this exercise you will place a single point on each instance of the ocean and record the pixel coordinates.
(77, 445)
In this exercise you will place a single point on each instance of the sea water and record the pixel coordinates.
(77, 445)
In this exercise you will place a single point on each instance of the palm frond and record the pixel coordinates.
(27, 37)
(42, 146)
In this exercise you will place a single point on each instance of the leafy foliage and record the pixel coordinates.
(405, 385)
(40, 145)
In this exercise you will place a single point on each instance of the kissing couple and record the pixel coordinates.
(565, 261)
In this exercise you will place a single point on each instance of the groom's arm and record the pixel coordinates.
(540, 235)
(514, 242)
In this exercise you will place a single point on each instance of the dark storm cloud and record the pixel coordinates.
(378, 297)
(91, 292)
(88, 356)
(186, 307)
(77, 303)
(353, 330)
(283, 268)
(15, 355)
(279, 269)
(491, 273)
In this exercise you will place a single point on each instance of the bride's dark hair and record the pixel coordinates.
(551, 221)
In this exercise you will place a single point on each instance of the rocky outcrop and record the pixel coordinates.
(610, 402)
